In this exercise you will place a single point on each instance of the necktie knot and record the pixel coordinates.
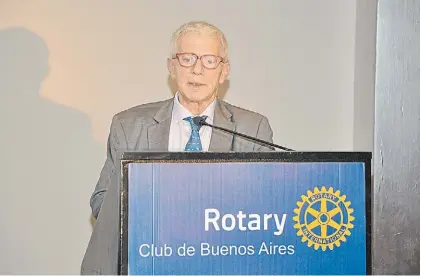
(194, 127)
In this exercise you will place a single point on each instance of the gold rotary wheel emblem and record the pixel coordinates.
(323, 218)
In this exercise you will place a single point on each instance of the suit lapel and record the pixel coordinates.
(222, 141)
(158, 133)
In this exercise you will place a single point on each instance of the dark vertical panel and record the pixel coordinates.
(396, 143)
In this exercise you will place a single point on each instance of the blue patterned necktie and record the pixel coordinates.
(194, 143)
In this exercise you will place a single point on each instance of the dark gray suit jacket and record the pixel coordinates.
(146, 128)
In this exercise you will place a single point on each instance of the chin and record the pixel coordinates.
(197, 96)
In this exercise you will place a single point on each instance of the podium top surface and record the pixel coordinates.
(294, 156)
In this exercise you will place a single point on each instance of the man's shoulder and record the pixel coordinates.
(147, 110)
(239, 113)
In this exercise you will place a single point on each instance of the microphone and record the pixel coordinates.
(200, 121)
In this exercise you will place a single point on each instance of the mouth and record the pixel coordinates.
(196, 84)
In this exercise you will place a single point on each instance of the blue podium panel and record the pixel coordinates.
(246, 218)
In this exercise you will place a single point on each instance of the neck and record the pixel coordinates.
(195, 108)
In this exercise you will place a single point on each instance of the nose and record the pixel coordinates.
(198, 67)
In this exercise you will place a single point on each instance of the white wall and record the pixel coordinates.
(293, 61)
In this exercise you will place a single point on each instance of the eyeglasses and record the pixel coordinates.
(190, 59)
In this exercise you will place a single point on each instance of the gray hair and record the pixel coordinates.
(199, 27)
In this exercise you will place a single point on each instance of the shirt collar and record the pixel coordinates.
(180, 112)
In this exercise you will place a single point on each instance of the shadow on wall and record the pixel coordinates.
(49, 166)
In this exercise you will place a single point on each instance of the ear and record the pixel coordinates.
(171, 67)
(224, 73)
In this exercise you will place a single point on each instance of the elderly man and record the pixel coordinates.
(198, 64)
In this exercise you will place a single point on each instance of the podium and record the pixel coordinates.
(270, 213)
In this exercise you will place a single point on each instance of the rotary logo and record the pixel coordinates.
(323, 218)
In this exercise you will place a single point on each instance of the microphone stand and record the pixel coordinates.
(200, 121)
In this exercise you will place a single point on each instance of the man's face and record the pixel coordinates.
(197, 83)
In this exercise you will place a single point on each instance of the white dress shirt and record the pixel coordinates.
(180, 130)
